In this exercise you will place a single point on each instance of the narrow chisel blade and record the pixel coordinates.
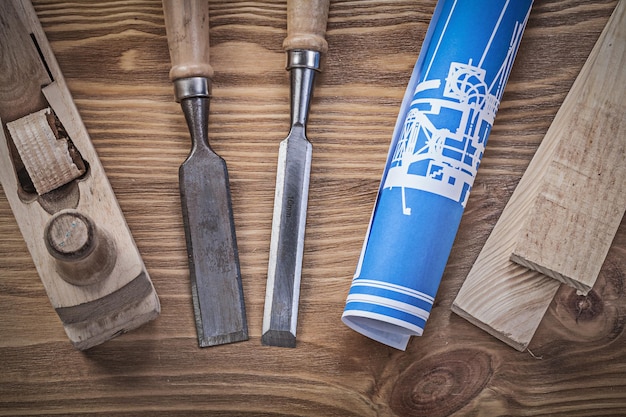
(287, 240)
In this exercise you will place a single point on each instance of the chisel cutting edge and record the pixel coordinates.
(204, 187)
(305, 42)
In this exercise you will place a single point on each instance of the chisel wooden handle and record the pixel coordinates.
(187, 27)
(306, 25)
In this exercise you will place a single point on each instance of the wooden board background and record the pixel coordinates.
(114, 57)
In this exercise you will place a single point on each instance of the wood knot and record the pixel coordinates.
(585, 307)
(591, 317)
(441, 384)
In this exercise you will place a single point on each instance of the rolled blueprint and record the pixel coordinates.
(439, 139)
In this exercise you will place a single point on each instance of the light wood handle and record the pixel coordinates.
(306, 25)
(84, 254)
(187, 27)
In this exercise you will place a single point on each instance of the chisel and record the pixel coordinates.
(204, 188)
(305, 43)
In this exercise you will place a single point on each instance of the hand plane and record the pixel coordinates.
(59, 193)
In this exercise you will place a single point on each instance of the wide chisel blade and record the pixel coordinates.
(204, 187)
(211, 244)
(287, 240)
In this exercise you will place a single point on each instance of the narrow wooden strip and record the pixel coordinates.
(582, 196)
(503, 298)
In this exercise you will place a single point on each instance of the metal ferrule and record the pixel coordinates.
(192, 87)
(302, 65)
(303, 58)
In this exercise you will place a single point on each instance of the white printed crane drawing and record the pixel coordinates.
(429, 154)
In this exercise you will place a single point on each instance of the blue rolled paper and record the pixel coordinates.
(439, 139)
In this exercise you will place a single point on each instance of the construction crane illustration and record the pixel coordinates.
(443, 138)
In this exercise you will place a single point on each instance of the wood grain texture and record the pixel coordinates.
(45, 155)
(121, 296)
(187, 28)
(306, 25)
(581, 197)
(505, 298)
(115, 60)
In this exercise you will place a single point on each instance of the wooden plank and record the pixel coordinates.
(104, 289)
(504, 298)
(582, 195)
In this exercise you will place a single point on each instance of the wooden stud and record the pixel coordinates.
(582, 195)
(504, 298)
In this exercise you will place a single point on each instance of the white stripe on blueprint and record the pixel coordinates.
(386, 302)
(393, 287)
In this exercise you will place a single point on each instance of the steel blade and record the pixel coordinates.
(211, 243)
(287, 240)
